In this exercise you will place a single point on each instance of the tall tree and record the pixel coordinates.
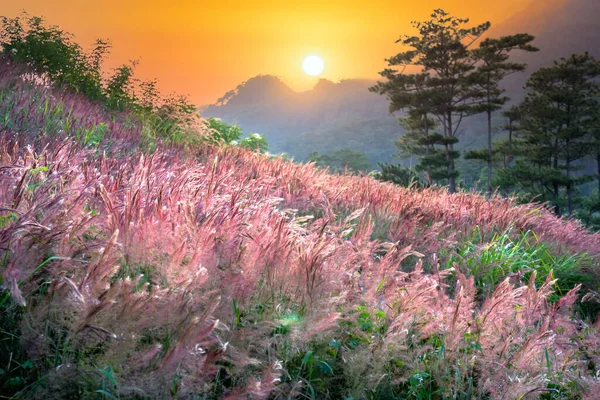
(506, 150)
(494, 65)
(559, 122)
(441, 87)
(513, 116)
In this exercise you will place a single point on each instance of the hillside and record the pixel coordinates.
(561, 27)
(215, 272)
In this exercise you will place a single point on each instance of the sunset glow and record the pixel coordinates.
(205, 48)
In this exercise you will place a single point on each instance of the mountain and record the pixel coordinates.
(561, 28)
(330, 116)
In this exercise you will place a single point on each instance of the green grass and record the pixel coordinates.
(518, 256)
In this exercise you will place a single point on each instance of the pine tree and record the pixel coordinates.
(505, 151)
(558, 123)
(442, 88)
(513, 116)
(494, 65)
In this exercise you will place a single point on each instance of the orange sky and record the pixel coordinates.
(204, 48)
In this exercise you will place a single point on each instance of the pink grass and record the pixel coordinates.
(224, 224)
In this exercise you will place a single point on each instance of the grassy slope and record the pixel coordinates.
(219, 272)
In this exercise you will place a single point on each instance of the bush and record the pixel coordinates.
(50, 51)
(223, 133)
(50, 54)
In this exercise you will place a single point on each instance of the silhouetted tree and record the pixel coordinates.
(443, 87)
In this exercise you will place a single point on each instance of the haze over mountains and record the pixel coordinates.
(344, 114)
(328, 117)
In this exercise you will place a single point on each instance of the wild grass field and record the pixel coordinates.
(134, 268)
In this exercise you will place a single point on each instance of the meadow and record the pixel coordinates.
(136, 267)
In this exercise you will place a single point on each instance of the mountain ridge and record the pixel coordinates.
(329, 116)
(561, 28)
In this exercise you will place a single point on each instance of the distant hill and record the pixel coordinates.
(326, 118)
(561, 28)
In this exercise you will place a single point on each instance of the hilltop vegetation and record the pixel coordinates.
(138, 264)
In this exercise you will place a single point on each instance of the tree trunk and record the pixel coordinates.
(569, 190)
(426, 130)
(509, 156)
(489, 115)
(555, 184)
(451, 178)
(449, 157)
(598, 167)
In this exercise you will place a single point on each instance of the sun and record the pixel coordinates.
(313, 65)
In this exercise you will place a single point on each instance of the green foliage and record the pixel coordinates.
(321, 365)
(494, 65)
(395, 173)
(223, 133)
(431, 148)
(589, 211)
(342, 160)
(52, 54)
(256, 142)
(92, 136)
(120, 87)
(173, 119)
(558, 123)
(504, 256)
(5, 220)
(51, 51)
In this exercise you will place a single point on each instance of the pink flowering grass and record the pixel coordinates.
(222, 273)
